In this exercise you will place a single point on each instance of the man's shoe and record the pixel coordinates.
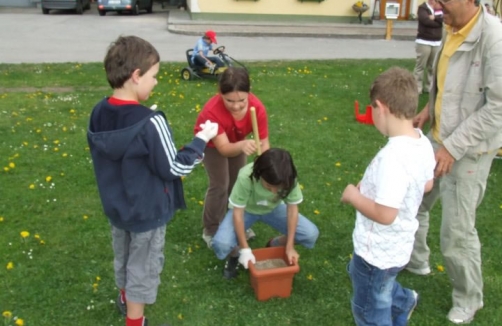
(121, 306)
(250, 235)
(458, 315)
(419, 271)
(208, 239)
(231, 269)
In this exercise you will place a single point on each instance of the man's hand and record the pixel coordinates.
(420, 119)
(245, 256)
(444, 162)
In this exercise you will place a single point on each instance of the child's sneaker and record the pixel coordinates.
(250, 235)
(231, 268)
(121, 306)
(208, 239)
(212, 69)
(403, 318)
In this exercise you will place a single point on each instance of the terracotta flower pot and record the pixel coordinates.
(275, 281)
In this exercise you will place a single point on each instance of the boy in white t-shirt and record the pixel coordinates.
(387, 200)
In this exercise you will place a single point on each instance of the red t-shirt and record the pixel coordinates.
(236, 130)
(116, 101)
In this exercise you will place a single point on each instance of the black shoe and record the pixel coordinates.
(121, 306)
(231, 269)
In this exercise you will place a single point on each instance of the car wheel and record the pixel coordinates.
(101, 12)
(149, 9)
(186, 74)
(45, 11)
(79, 9)
(135, 11)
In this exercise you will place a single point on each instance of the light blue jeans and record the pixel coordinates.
(225, 239)
(378, 299)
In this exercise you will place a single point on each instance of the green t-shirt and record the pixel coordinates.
(251, 195)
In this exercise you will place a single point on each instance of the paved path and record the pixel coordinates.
(30, 37)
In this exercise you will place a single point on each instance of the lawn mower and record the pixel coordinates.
(193, 71)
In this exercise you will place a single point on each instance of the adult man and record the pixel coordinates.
(465, 108)
(430, 29)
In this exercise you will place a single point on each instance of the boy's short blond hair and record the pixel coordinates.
(397, 89)
(127, 54)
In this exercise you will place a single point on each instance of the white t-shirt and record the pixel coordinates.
(396, 178)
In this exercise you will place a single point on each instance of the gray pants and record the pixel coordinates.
(222, 172)
(425, 59)
(461, 192)
(138, 262)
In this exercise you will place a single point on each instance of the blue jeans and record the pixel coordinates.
(378, 299)
(199, 61)
(225, 240)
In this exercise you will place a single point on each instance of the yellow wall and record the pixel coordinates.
(279, 7)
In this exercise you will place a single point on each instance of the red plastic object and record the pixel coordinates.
(367, 117)
(272, 282)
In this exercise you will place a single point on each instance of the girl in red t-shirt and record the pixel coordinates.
(227, 153)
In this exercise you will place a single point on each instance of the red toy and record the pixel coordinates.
(367, 117)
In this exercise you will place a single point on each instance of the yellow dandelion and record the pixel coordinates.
(25, 234)
(10, 265)
(42, 242)
(36, 236)
(64, 155)
(201, 203)
(338, 164)
(32, 186)
(98, 278)
(72, 111)
(48, 178)
(12, 165)
(189, 250)
(440, 268)
(310, 277)
(325, 118)
(6, 169)
(39, 131)
(95, 285)
(328, 184)
(56, 149)
(62, 174)
(180, 316)
(25, 143)
(319, 121)
(56, 142)
(19, 322)
(7, 314)
(1, 218)
(85, 217)
(301, 186)
(65, 129)
(316, 212)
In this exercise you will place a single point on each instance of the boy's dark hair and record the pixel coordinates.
(127, 54)
(276, 167)
(397, 89)
(234, 79)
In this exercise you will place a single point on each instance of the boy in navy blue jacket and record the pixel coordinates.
(138, 171)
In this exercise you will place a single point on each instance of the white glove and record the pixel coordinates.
(208, 132)
(246, 255)
(153, 107)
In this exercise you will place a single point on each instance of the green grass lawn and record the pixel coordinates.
(62, 273)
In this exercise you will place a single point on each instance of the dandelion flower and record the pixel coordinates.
(7, 314)
(19, 322)
(440, 268)
(1, 218)
(12, 165)
(36, 236)
(85, 217)
(98, 278)
(180, 316)
(42, 242)
(6, 169)
(316, 212)
(310, 277)
(48, 178)
(32, 186)
(10, 265)
(337, 164)
(25, 234)
(201, 202)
